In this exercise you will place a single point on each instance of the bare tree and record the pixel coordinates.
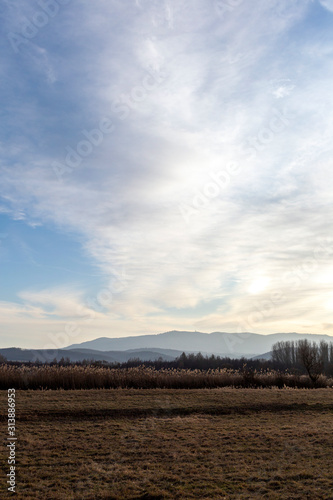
(309, 355)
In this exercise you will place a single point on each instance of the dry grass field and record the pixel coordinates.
(172, 444)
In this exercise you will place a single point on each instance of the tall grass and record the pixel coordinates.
(142, 377)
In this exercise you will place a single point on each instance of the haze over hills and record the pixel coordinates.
(47, 355)
(219, 343)
(168, 346)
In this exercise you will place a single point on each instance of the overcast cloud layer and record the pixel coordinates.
(186, 148)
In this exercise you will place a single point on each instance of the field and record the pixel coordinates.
(172, 444)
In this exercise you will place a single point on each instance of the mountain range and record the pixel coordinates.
(26, 355)
(168, 346)
(219, 343)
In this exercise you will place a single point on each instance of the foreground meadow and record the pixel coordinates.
(169, 444)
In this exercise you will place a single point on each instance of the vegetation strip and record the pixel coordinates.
(115, 413)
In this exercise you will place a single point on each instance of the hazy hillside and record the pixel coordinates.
(167, 345)
(17, 354)
(225, 344)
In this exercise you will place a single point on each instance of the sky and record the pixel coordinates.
(165, 165)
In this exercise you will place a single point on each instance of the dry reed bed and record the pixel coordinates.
(142, 377)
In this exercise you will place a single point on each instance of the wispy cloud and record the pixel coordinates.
(225, 79)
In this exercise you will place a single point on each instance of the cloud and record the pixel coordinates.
(188, 93)
(327, 4)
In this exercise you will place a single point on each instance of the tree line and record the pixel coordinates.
(316, 359)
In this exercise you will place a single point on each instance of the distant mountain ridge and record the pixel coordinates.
(219, 343)
(168, 346)
(26, 355)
